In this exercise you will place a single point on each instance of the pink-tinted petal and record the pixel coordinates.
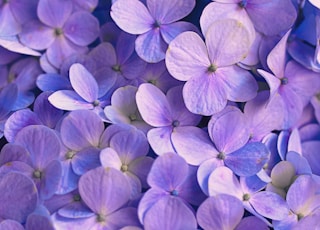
(168, 12)
(37, 35)
(229, 132)
(223, 181)
(222, 51)
(194, 145)
(170, 213)
(160, 140)
(239, 84)
(83, 82)
(151, 47)
(68, 100)
(54, 13)
(81, 34)
(216, 11)
(205, 95)
(110, 158)
(131, 16)
(211, 215)
(187, 56)
(104, 190)
(153, 105)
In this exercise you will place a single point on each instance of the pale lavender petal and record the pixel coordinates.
(10, 224)
(269, 205)
(229, 132)
(282, 143)
(205, 170)
(86, 160)
(77, 133)
(300, 163)
(170, 31)
(168, 12)
(83, 82)
(222, 51)
(151, 47)
(130, 145)
(110, 158)
(104, 190)
(211, 215)
(170, 213)
(135, 185)
(239, 84)
(153, 105)
(62, 48)
(8, 24)
(294, 142)
(60, 222)
(273, 82)
(194, 145)
(81, 34)
(131, 16)
(187, 56)
(68, 100)
(13, 44)
(168, 172)
(277, 57)
(205, 95)
(160, 140)
(36, 35)
(148, 200)
(216, 11)
(54, 13)
(223, 181)
(41, 142)
(252, 184)
(18, 201)
(36, 221)
(248, 160)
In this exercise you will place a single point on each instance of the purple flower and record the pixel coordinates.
(227, 144)
(124, 110)
(167, 113)
(127, 153)
(155, 24)
(59, 30)
(105, 191)
(209, 68)
(173, 185)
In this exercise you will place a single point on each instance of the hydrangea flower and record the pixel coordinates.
(105, 191)
(167, 113)
(155, 23)
(209, 68)
(61, 34)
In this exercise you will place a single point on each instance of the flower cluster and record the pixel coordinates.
(159, 114)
